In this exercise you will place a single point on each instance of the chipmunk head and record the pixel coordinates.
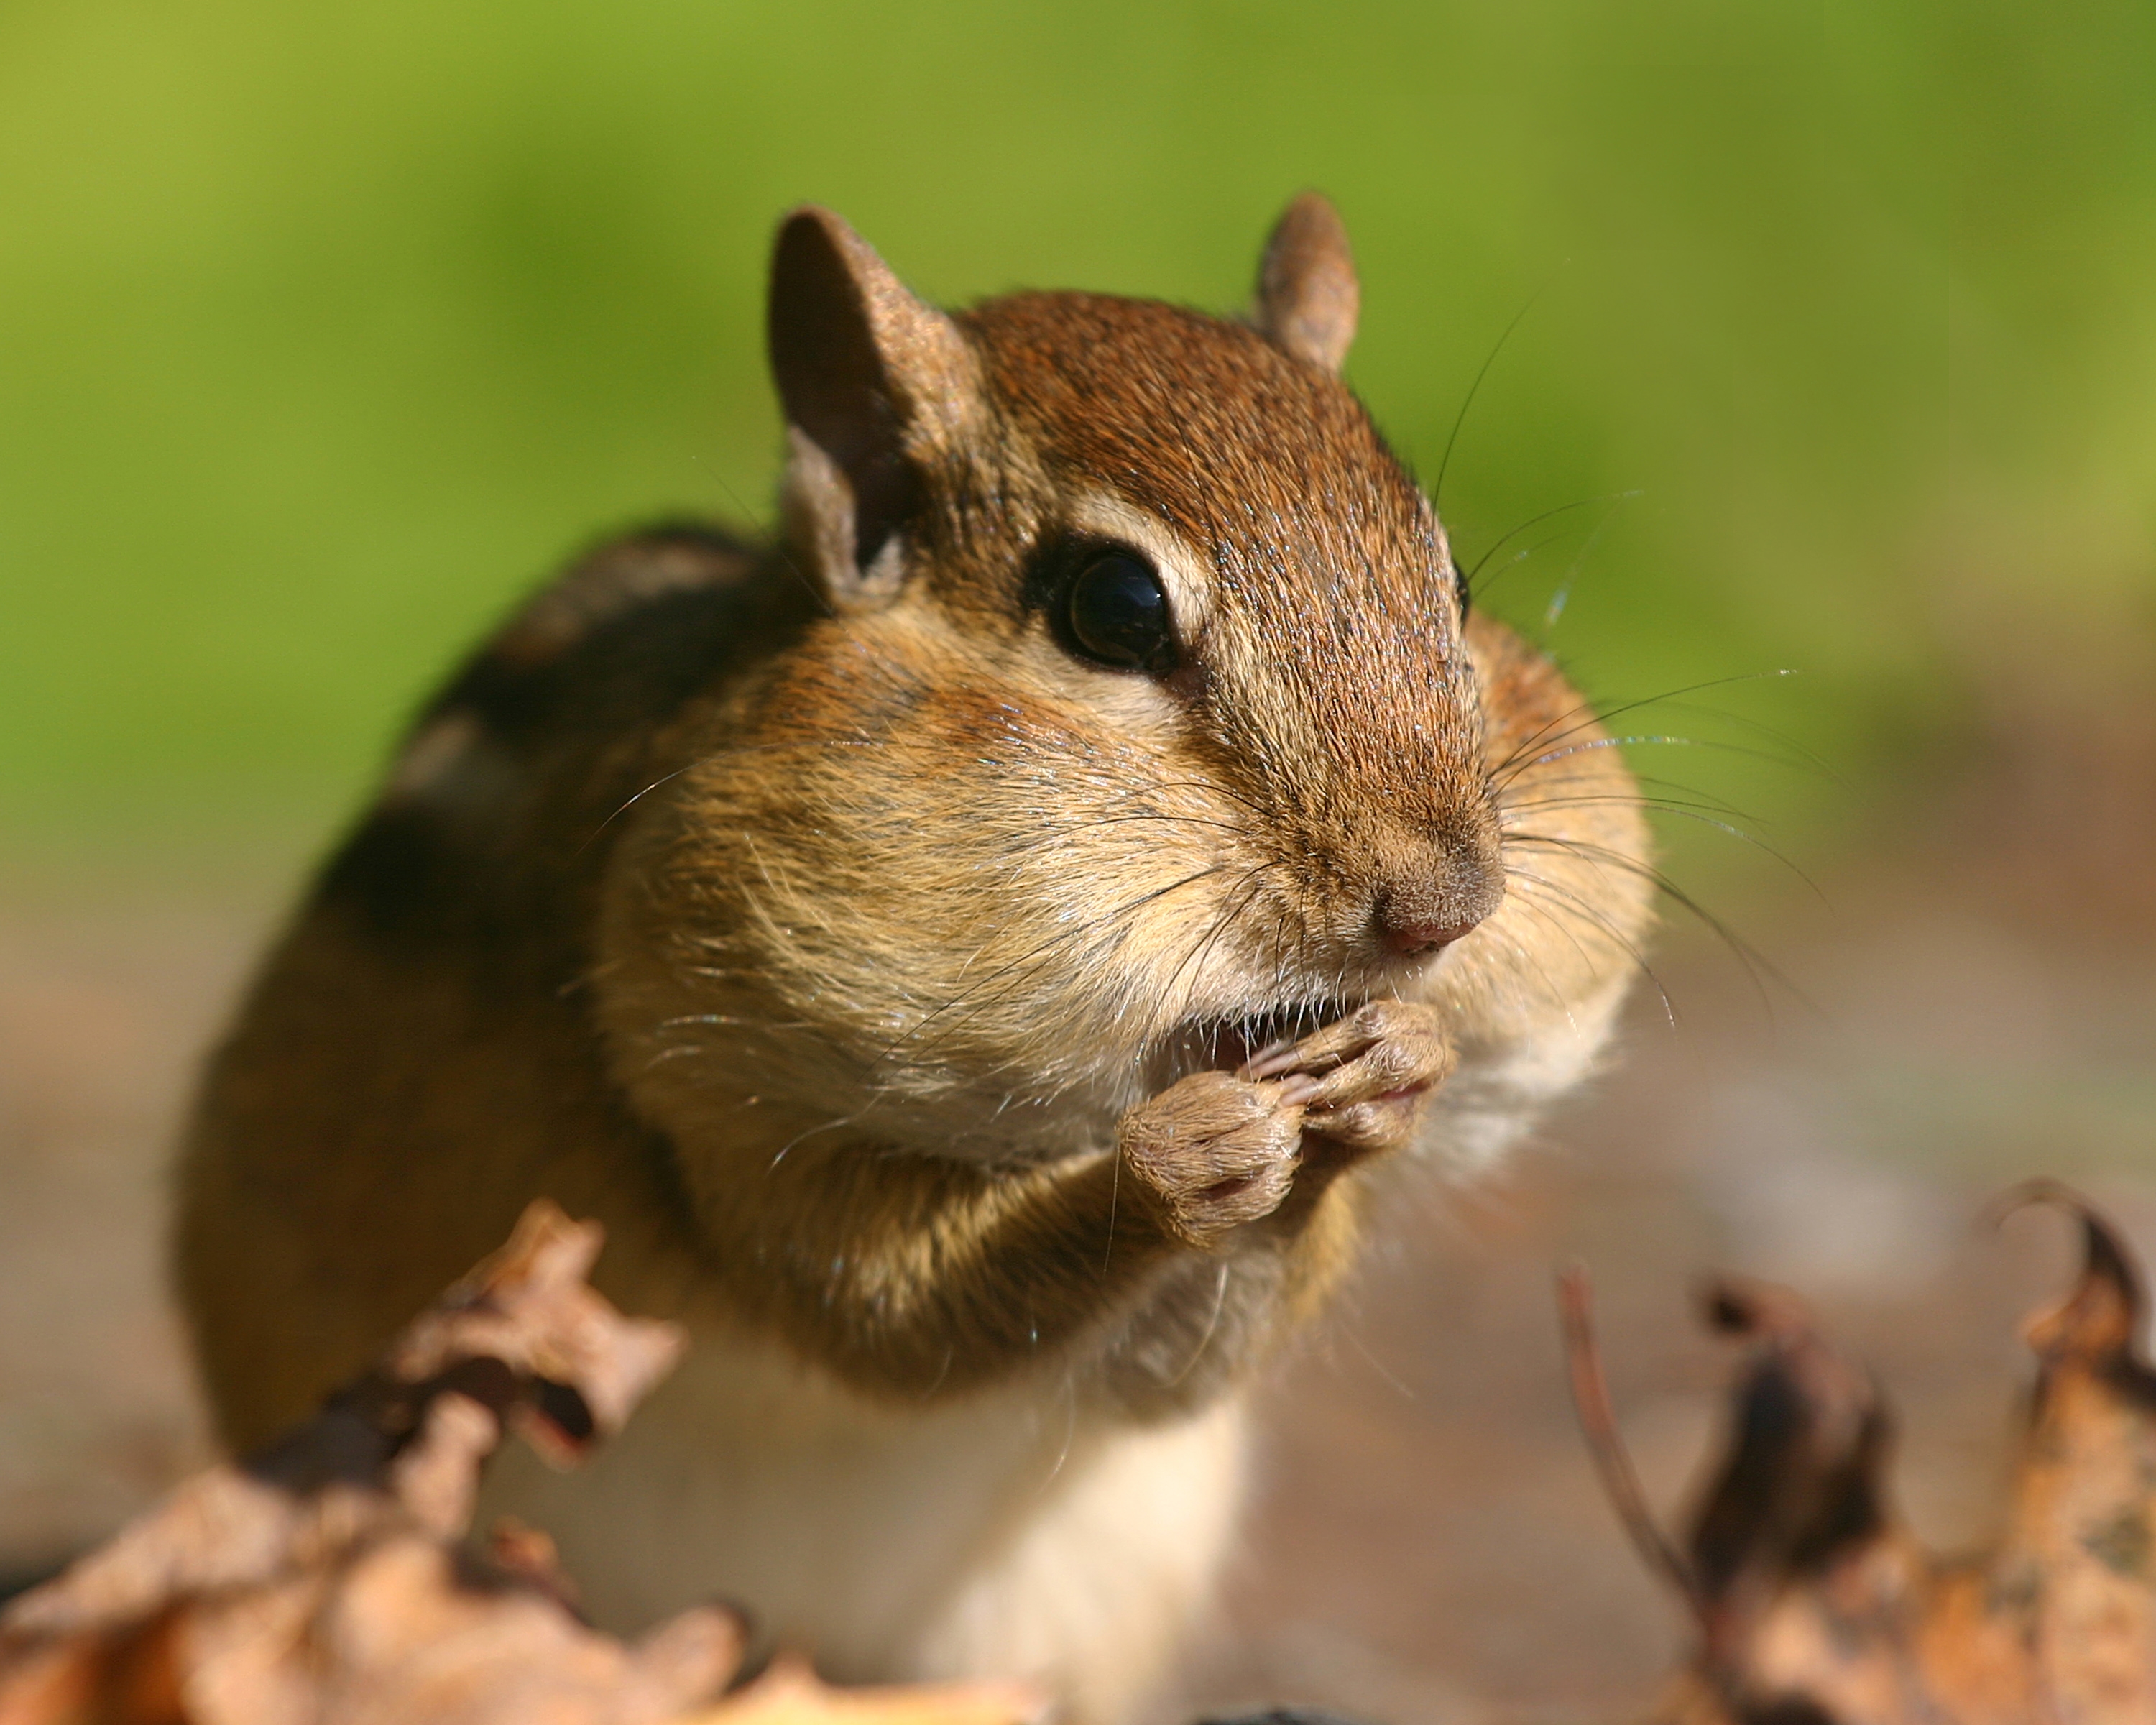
(1141, 720)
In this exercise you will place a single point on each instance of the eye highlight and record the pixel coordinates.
(1116, 611)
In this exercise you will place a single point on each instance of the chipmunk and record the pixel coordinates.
(973, 953)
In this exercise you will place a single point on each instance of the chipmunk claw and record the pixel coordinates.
(1219, 1150)
(1213, 1152)
(1362, 1081)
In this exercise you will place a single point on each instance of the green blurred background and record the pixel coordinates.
(325, 331)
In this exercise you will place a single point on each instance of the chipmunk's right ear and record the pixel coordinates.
(1308, 298)
(872, 379)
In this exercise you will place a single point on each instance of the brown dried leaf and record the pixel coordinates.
(323, 1579)
(1815, 1605)
(580, 1366)
(2075, 1576)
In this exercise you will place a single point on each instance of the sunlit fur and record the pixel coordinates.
(816, 937)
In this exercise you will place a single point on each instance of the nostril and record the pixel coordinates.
(1419, 913)
(1410, 938)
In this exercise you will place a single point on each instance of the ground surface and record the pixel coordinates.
(1431, 1545)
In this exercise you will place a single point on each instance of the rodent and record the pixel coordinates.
(977, 953)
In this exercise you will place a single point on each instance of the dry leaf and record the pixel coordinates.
(1815, 1605)
(326, 1580)
(323, 1579)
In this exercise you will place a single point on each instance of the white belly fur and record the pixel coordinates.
(994, 1535)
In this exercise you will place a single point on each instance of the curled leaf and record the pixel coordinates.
(1815, 1606)
(324, 1580)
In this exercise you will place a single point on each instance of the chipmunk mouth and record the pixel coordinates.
(1228, 1043)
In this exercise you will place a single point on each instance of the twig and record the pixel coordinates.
(1597, 1425)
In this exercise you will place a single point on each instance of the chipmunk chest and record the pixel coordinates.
(861, 1529)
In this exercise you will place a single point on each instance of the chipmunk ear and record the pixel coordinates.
(871, 378)
(1308, 294)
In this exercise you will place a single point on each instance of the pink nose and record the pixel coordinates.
(1410, 938)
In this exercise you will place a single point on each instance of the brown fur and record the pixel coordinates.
(861, 957)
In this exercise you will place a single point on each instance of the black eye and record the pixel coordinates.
(1459, 588)
(1117, 612)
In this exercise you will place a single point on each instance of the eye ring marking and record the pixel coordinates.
(1116, 613)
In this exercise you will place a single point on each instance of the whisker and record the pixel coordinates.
(1759, 728)
(1522, 554)
(1535, 520)
(1212, 790)
(1677, 811)
(1584, 908)
(601, 828)
(1212, 1325)
(1548, 913)
(1233, 903)
(1590, 913)
(1109, 921)
(1758, 968)
(1707, 799)
(1666, 805)
(814, 589)
(784, 1149)
(1526, 956)
(1586, 713)
(1444, 461)
(1640, 740)
(1061, 833)
(1559, 598)
(747, 748)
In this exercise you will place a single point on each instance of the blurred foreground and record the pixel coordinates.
(1430, 1544)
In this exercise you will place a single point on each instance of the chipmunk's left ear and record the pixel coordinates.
(1308, 295)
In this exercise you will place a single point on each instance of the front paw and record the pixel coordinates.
(1213, 1152)
(1363, 1083)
